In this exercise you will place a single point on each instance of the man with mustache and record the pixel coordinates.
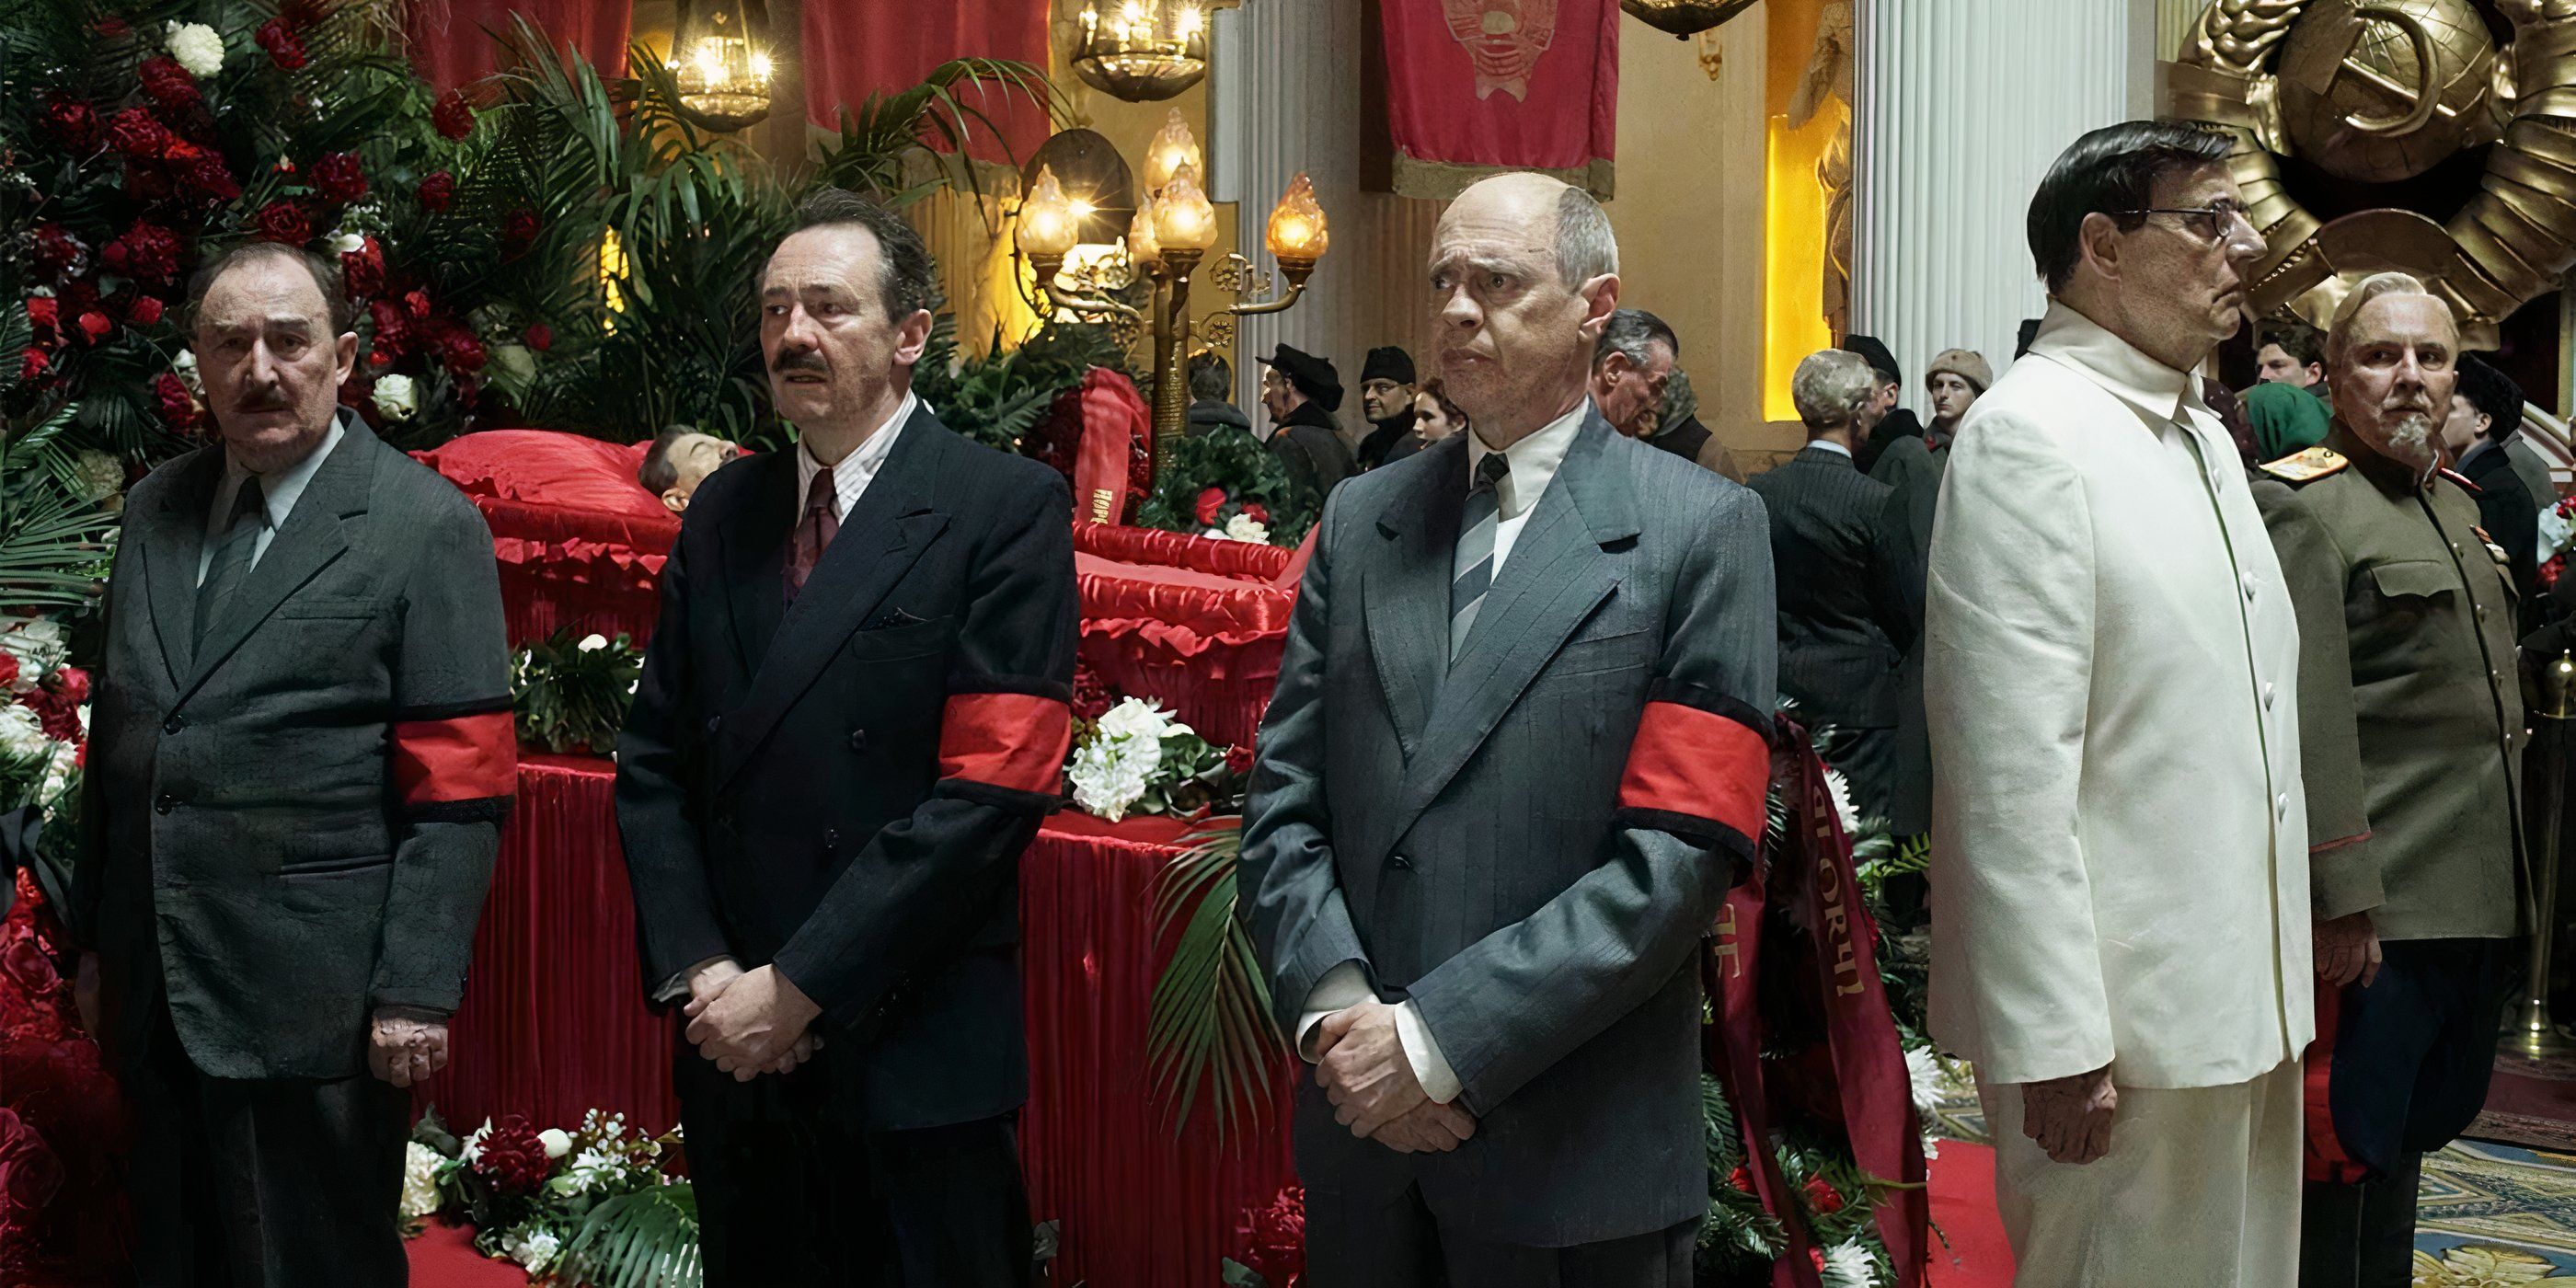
(2111, 688)
(299, 759)
(2410, 720)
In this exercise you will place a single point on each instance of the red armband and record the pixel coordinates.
(1700, 765)
(464, 758)
(1009, 740)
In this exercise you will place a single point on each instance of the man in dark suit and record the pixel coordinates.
(2484, 415)
(1481, 855)
(852, 716)
(1386, 394)
(1881, 421)
(1301, 392)
(299, 757)
(1844, 624)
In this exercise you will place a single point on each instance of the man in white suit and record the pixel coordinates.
(2119, 883)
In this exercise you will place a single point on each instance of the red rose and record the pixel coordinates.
(437, 191)
(518, 228)
(513, 1157)
(283, 221)
(137, 134)
(1274, 1237)
(32, 364)
(416, 302)
(379, 358)
(461, 353)
(539, 336)
(168, 84)
(72, 123)
(147, 252)
(1091, 695)
(1823, 1197)
(145, 311)
(453, 118)
(1238, 760)
(178, 409)
(362, 271)
(393, 330)
(1258, 512)
(339, 177)
(55, 248)
(280, 41)
(1211, 502)
(24, 961)
(44, 313)
(30, 1174)
(94, 326)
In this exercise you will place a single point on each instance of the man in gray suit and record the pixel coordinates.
(299, 757)
(1483, 855)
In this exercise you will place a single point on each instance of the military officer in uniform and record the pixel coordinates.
(2410, 721)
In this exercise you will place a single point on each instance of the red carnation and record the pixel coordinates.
(147, 252)
(461, 353)
(169, 84)
(44, 313)
(1823, 1197)
(453, 118)
(1211, 502)
(1092, 697)
(55, 248)
(284, 221)
(137, 134)
(393, 330)
(32, 364)
(1274, 1237)
(71, 682)
(8, 669)
(1741, 1179)
(283, 47)
(362, 271)
(209, 176)
(145, 311)
(416, 302)
(57, 711)
(1238, 760)
(513, 1157)
(539, 336)
(339, 177)
(178, 409)
(518, 228)
(72, 123)
(94, 326)
(437, 191)
(1258, 512)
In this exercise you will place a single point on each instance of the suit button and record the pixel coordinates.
(1402, 861)
(165, 804)
(2247, 581)
(858, 740)
(2281, 805)
(2268, 693)
(174, 724)
(831, 838)
(714, 723)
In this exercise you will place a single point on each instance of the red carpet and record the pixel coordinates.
(1963, 1206)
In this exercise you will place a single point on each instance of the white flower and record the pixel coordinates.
(40, 646)
(59, 771)
(473, 1147)
(594, 642)
(1216, 534)
(1244, 527)
(1923, 1070)
(343, 242)
(1931, 1146)
(2555, 529)
(1841, 789)
(1848, 1265)
(101, 475)
(1140, 718)
(556, 1142)
(420, 1181)
(197, 48)
(396, 396)
(186, 365)
(533, 1249)
(22, 735)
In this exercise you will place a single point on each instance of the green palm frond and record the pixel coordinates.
(53, 546)
(648, 1239)
(1210, 1015)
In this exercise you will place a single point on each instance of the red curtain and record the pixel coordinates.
(1478, 86)
(452, 44)
(854, 48)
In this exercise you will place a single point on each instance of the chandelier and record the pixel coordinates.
(1146, 51)
(1684, 18)
(722, 61)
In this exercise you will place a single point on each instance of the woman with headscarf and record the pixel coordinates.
(2285, 419)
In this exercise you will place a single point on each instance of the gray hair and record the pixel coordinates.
(1830, 388)
(2339, 333)
(1630, 333)
(1585, 246)
(906, 277)
(337, 308)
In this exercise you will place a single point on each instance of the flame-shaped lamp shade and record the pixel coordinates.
(1142, 243)
(1183, 219)
(1048, 224)
(1172, 148)
(1297, 224)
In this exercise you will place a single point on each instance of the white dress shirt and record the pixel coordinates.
(851, 477)
(1829, 445)
(1532, 465)
(280, 490)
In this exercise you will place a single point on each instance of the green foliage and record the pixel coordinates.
(571, 696)
(647, 1239)
(879, 135)
(1230, 459)
(1209, 1021)
(999, 398)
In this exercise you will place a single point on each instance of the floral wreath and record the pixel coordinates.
(2511, 243)
(1225, 483)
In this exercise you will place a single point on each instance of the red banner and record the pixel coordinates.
(855, 48)
(453, 42)
(1479, 86)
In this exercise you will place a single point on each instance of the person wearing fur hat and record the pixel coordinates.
(1386, 396)
(1956, 379)
(1912, 465)
(1301, 392)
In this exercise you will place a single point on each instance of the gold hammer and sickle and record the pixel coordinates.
(2423, 98)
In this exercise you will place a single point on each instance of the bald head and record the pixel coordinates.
(1524, 274)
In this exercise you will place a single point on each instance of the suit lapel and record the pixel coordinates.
(172, 544)
(1558, 573)
(1404, 597)
(755, 557)
(878, 541)
(316, 533)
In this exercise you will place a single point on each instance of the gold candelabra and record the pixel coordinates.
(2531, 1032)
(1167, 241)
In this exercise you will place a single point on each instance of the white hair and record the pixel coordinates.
(1830, 388)
(1585, 246)
(2339, 332)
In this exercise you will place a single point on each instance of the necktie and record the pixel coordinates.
(233, 555)
(1475, 560)
(814, 531)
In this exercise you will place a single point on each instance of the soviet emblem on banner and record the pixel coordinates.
(1504, 38)
(2380, 91)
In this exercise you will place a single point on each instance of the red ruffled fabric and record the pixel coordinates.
(580, 542)
(1195, 623)
(64, 1131)
(1245, 559)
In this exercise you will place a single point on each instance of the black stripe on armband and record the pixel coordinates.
(1710, 700)
(1690, 827)
(488, 809)
(450, 710)
(1004, 798)
(1030, 685)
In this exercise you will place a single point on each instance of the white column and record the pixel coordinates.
(1962, 108)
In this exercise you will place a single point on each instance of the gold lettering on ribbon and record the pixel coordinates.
(1728, 951)
(1100, 498)
(1830, 888)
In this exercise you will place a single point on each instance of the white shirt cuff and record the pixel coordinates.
(1430, 1068)
(1341, 988)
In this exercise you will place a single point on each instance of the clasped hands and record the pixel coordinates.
(1362, 1066)
(750, 1022)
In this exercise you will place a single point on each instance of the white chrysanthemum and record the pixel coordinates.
(420, 1181)
(1841, 789)
(39, 645)
(58, 772)
(1244, 527)
(473, 1147)
(197, 48)
(186, 365)
(101, 475)
(396, 396)
(533, 1249)
(1138, 718)
(1110, 772)
(1848, 1265)
(592, 642)
(1923, 1071)
(557, 1142)
(22, 735)
(1931, 1146)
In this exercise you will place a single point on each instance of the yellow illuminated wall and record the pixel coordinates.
(1793, 210)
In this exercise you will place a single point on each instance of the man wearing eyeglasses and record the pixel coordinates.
(2111, 677)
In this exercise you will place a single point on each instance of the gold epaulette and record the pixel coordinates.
(2308, 466)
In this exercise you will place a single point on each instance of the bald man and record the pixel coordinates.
(1483, 857)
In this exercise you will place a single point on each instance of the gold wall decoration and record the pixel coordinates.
(2382, 90)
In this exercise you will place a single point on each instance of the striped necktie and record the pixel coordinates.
(814, 531)
(1473, 569)
(233, 554)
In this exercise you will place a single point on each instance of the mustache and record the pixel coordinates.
(273, 400)
(805, 360)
